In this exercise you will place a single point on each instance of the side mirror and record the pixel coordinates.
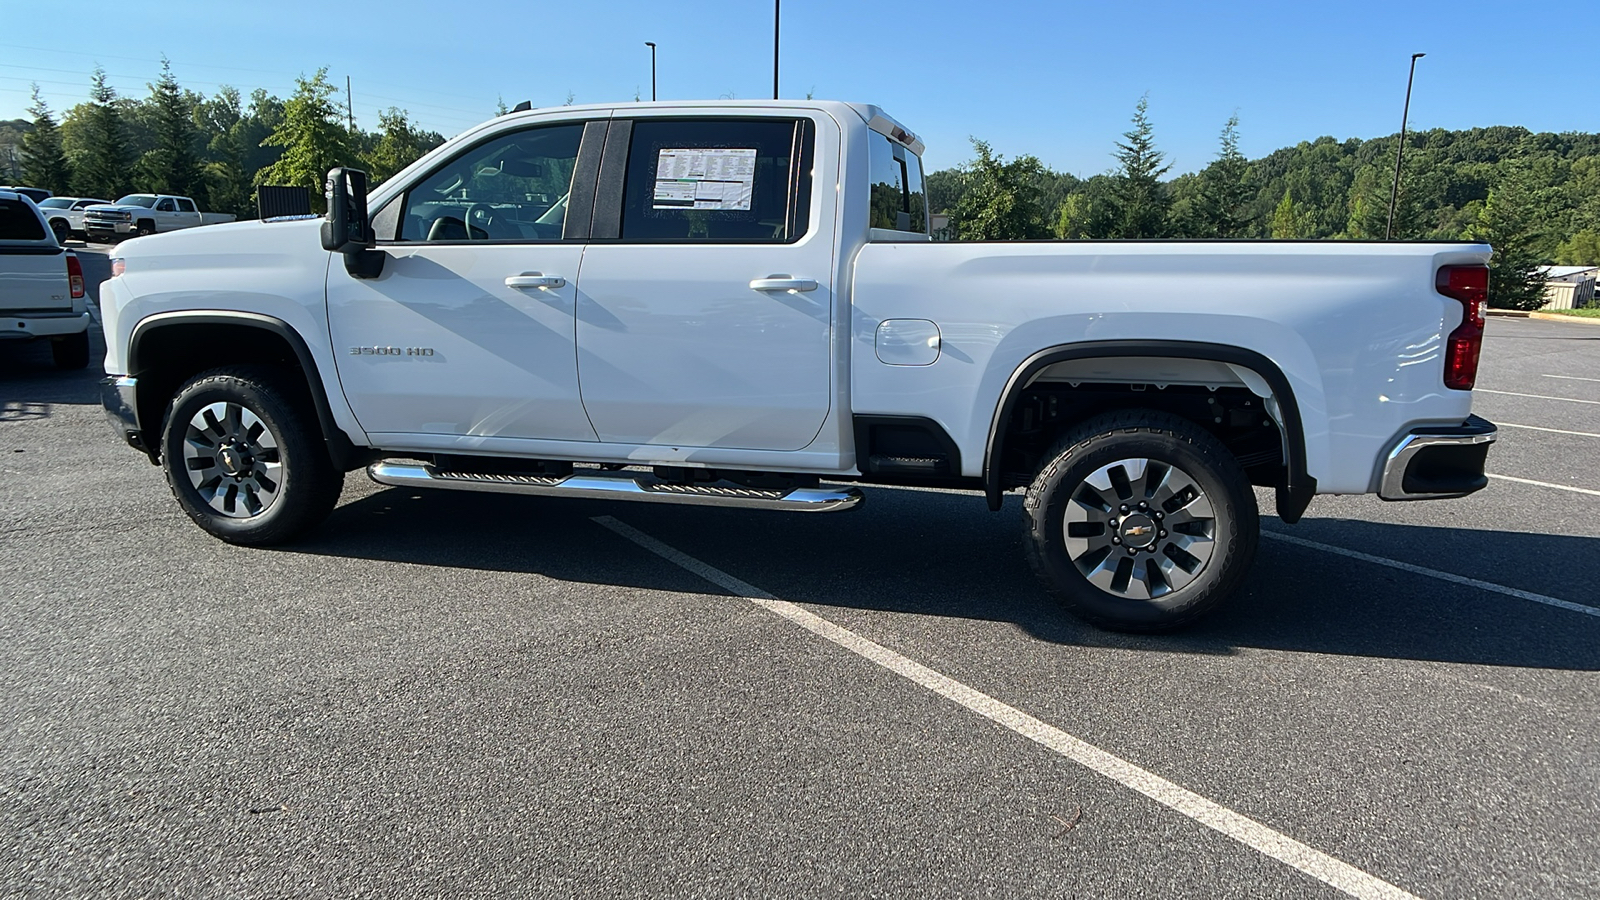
(347, 229)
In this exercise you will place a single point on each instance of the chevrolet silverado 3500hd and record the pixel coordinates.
(736, 303)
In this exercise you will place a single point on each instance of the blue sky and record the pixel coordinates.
(1058, 80)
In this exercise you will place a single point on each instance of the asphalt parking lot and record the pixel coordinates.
(445, 694)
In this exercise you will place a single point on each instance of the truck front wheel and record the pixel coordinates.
(244, 456)
(1140, 521)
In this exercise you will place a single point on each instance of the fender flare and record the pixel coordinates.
(341, 449)
(1298, 487)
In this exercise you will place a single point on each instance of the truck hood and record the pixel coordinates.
(112, 207)
(228, 238)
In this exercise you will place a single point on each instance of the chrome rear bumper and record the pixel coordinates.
(1438, 462)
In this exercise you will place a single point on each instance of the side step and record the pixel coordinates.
(597, 484)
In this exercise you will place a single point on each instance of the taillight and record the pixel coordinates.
(1470, 285)
(75, 275)
(118, 266)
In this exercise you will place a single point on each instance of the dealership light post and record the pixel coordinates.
(652, 46)
(776, 6)
(1394, 190)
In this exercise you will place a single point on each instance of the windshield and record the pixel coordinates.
(144, 200)
(56, 203)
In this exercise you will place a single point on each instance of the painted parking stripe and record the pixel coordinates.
(1333, 872)
(1536, 396)
(1435, 573)
(1499, 424)
(1545, 484)
(1572, 377)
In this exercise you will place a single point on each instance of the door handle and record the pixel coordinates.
(783, 283)
(539, 280)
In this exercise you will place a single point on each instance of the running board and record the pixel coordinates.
(602, 485)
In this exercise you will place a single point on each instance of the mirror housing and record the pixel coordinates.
(347, 229)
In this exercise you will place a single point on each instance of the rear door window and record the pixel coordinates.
(718, 180)
(186, 205)
(18, 222)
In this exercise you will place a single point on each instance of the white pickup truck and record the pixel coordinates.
(41, 284)
(141, 214)
(736, 303)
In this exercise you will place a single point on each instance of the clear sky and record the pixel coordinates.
(1058, 80)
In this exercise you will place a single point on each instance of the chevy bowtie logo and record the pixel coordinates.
(1139, 530)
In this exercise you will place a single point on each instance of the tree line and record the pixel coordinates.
(1535, 197)
(216, 149)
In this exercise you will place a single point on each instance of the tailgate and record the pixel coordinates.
(33, 268)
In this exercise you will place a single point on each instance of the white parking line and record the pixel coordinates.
(1573, 377)
(1499, 424)
(1536, 396)
(1333, 872)
(1545, 484)
(1435, 573)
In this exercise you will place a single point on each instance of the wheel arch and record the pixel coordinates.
(1298, 486)
(166, 349)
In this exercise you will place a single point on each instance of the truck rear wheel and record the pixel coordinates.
(244, 456)
(1140, 521)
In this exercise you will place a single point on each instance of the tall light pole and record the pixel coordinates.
(652, 46)
(777, 5)
(1394, 190)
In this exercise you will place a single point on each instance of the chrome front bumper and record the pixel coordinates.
(1438, 462)
(119, 396)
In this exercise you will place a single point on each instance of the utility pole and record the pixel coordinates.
(1394, 190)
(777, 6)
(349, 104)
(652, 46)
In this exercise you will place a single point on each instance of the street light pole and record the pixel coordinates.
(777, 5)
(652, 46)
(1394, 190)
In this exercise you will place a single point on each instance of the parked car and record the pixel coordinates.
(41, 284)
(759, 309)
(65, 215)
(34, 194)
(141, 214)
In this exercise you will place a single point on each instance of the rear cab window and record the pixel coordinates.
(898, 202)
(722, 180)
(19, 221)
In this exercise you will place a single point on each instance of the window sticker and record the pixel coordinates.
(707, 178)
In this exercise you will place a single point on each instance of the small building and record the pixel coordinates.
(1569, 287)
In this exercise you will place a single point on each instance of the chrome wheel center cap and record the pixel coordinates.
(1138, 530)
(235, 461)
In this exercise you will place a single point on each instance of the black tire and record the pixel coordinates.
(304, 484)
(61, 229)
(144, 227)
(1158, 591)
(72, 351)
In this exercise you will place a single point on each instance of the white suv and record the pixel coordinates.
(41, 284)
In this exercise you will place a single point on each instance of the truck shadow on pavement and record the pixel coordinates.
(30, 382)
(942, 554)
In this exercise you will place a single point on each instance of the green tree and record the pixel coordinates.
(1222, 208)
(1508, 222)
(173, 166)
(1140, 199)
(400, 145)
(1289, 221)
(1582, 249)
(1000, 200)
(100, 168)
(44, 162)
(313, 139)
